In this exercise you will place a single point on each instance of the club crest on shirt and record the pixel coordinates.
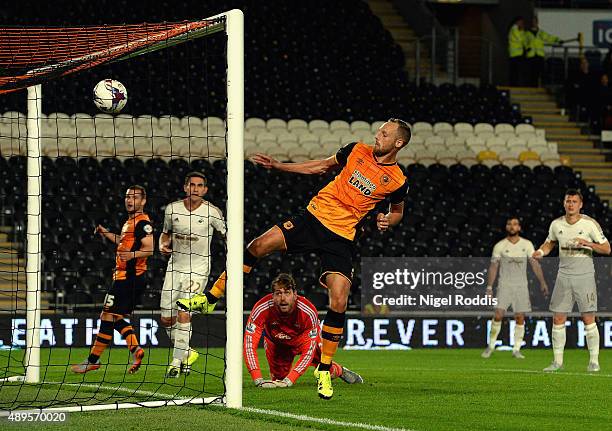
(250, 328)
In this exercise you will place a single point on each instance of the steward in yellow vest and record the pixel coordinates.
(535, 40)
(516, 51)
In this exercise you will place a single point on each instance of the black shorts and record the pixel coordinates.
(305, 233)
(124, 295)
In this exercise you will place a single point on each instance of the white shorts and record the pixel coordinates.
(515, 296)
(179, 285)
(574, 289)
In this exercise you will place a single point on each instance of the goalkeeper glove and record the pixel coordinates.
(285, 383)
(266, 384)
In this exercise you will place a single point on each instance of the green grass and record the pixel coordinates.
(417, 390)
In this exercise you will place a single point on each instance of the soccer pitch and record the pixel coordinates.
(412, 390)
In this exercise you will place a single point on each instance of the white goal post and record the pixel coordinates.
(234, 28)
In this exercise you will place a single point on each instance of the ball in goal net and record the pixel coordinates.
(64, 171)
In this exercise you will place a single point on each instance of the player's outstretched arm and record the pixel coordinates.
(105, 233)
(308, 167)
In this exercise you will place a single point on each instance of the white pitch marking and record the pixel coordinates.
(305, 418)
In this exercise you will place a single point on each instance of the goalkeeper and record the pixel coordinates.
(290, 326)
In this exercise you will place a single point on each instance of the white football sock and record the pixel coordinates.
(592, 338)
(519, 334)
(495, 328)
(171, 330)
(182, 337)
(558, 342)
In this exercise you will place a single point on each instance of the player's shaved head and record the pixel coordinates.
(403, 130)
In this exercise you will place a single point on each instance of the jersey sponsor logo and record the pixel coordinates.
(251, 328)
(282, 336)
(148, 229)
(362, 183)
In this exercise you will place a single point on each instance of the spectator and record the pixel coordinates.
(535, 39)
(581, 86)
(607, 63)
(516, 51)
(602, 105)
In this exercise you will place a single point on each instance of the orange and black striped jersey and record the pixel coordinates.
(132, 233)
(362, 183)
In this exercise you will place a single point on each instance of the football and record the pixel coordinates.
(110, 96)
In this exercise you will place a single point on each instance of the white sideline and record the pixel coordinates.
(305, 418)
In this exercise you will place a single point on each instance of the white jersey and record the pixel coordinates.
(512, 260)
(192, 233)
(575, 259)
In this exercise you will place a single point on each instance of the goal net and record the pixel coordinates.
(67, 173)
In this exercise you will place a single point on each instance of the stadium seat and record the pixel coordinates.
(297, 126)
(463, 129)
(359, 126)
(422, 128)
(504, 128)
(484, 128)
(451, 141)
(318, 127)
(274, 124)
(443, 129)
(339, 125)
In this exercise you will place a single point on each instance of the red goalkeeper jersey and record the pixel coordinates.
(298, 332)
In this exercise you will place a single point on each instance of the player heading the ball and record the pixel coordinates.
(369, 175)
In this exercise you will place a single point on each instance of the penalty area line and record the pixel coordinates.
(325, 421)
(512, 370)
